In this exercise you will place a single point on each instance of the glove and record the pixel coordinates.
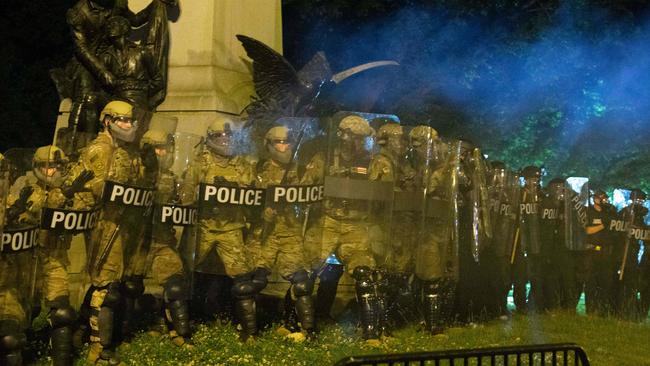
(20, 205)
(78, 184)
(149, 159)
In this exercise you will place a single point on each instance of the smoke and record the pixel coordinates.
(524, 96)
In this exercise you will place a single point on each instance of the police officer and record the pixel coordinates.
(280, 246)
(626, 256)
(163, 262)
(221, 228)
(600, 243)
(504, 201)
(346, 227)
(394, 286)
(554, 264)
(112, 156)
(527, 239)
(435, 266)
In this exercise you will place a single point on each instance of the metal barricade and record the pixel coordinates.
(566, 354)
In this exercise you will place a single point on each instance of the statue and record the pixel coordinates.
(86, 79)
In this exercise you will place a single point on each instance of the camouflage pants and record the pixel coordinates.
(349, 240)
(163, 262)
(281, 253)
(230, 249)
(429, 261)
(10, 306)
(402, 244)
(54, 275)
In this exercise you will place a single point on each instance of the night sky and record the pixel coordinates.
(559, 84)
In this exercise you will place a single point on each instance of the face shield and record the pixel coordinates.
(351, 144)
(123, 128)
(280, 150)
(220, 142)
(51, 173)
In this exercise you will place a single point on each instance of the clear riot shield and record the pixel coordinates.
(291, 190)
(72, 141)
(358, 195)
(504, 192)
(18, 256)
(175, 212)
(528, 231)
(227, 199)
(436, 164)
(475, 168)
(126, 196)
(575, 205)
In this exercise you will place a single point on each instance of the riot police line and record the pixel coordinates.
(424, 229)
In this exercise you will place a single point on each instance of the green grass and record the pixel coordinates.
(606, 341)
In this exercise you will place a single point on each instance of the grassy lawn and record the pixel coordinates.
(606, 341)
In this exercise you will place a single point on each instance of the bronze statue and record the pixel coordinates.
(86, 79)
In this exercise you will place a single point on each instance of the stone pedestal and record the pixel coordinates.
(209, 74)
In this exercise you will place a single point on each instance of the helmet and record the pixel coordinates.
(118, 111)
(163, 144)
(387, 131)
(600, 193)
(531, 171)
(279, 144)
(637, 195)
(421, 134)
(49, 165)
(498, 165)
(356, 125)
(220, 135)
(556, 188)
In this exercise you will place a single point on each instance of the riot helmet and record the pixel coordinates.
(557, 189)
(117, 116)
(352, 133)
(49, 165)
(498, 174)
(278, 144)
(532, 175)
(220, 135)
(163, 144)
(391, 137)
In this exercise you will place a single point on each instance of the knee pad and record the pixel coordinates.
(432, 287)
(113, 297)
(175, 288)
(260, 278)
(362, 273)
(303, 285)
(12, 338)
(62, 317)
(133, 287)
(243, 289)
(331, 272)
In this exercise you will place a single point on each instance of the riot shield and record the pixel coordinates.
(18, 254)
(127, 193)
(436, 167)
(227, 198)
(575, 212)
(474, 166)
(358, 195)
(528, 231)
(504, 192)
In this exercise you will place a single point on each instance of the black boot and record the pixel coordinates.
(433, 303)
(246, 313)
(12, 342)
(106, 322)
(61, 335)
(132, 289)
(326, 293)
(290, 317)
(303, 287)
(367, 301)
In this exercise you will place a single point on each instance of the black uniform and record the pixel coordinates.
(601, 268)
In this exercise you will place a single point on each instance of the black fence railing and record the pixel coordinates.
(565, 354)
